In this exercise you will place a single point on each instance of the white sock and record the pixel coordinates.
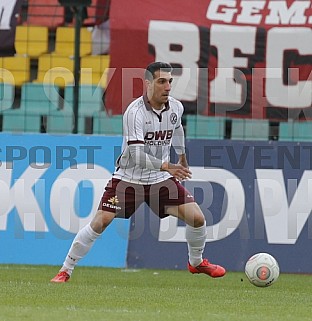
(196, 240)
(81, 245)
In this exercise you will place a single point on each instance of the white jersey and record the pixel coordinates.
(143, 125)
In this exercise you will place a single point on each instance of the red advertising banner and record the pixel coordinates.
(236, 58)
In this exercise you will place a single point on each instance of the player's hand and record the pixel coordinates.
(177, 171)
(183, 161)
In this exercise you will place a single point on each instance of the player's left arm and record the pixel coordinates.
(178, 143)
(178, 138)
(183, 160)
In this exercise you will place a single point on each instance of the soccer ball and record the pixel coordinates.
(262, 269)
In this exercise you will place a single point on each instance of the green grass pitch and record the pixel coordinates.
(102, 294)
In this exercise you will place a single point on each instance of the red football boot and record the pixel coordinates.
(213, 270)
(61, 277)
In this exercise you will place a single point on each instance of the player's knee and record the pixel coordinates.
(106, 218)
(101, 220)
(199, 220)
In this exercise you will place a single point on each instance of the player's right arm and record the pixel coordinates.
(176, 170)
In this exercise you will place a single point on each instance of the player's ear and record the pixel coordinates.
(147, 83)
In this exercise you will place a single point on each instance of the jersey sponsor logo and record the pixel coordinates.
(111, 206)
(159, 135)
(158, 138)
(158, 143)
(113, 203)
(114, 200)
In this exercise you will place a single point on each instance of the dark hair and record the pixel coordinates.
(155, 66)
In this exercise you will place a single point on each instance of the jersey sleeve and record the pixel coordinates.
(133, 127)
(180, 114)
(178, 140)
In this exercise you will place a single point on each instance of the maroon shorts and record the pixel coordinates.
(123, 198)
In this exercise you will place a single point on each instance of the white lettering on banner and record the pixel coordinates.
(252, 12)
(163, 34)
(29, 190)
(297, 95)
(170, 231)
(6, 11)
(221, 10)
(283, 224)
(230, 84)
(224, 88)
(128, 75)
(22, 196)
(63, 190)
(285, 211)
(280, 13)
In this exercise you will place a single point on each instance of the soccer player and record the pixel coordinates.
(144, 173)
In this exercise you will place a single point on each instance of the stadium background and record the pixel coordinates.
(248, 127)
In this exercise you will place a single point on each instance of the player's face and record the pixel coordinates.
(158, 90)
